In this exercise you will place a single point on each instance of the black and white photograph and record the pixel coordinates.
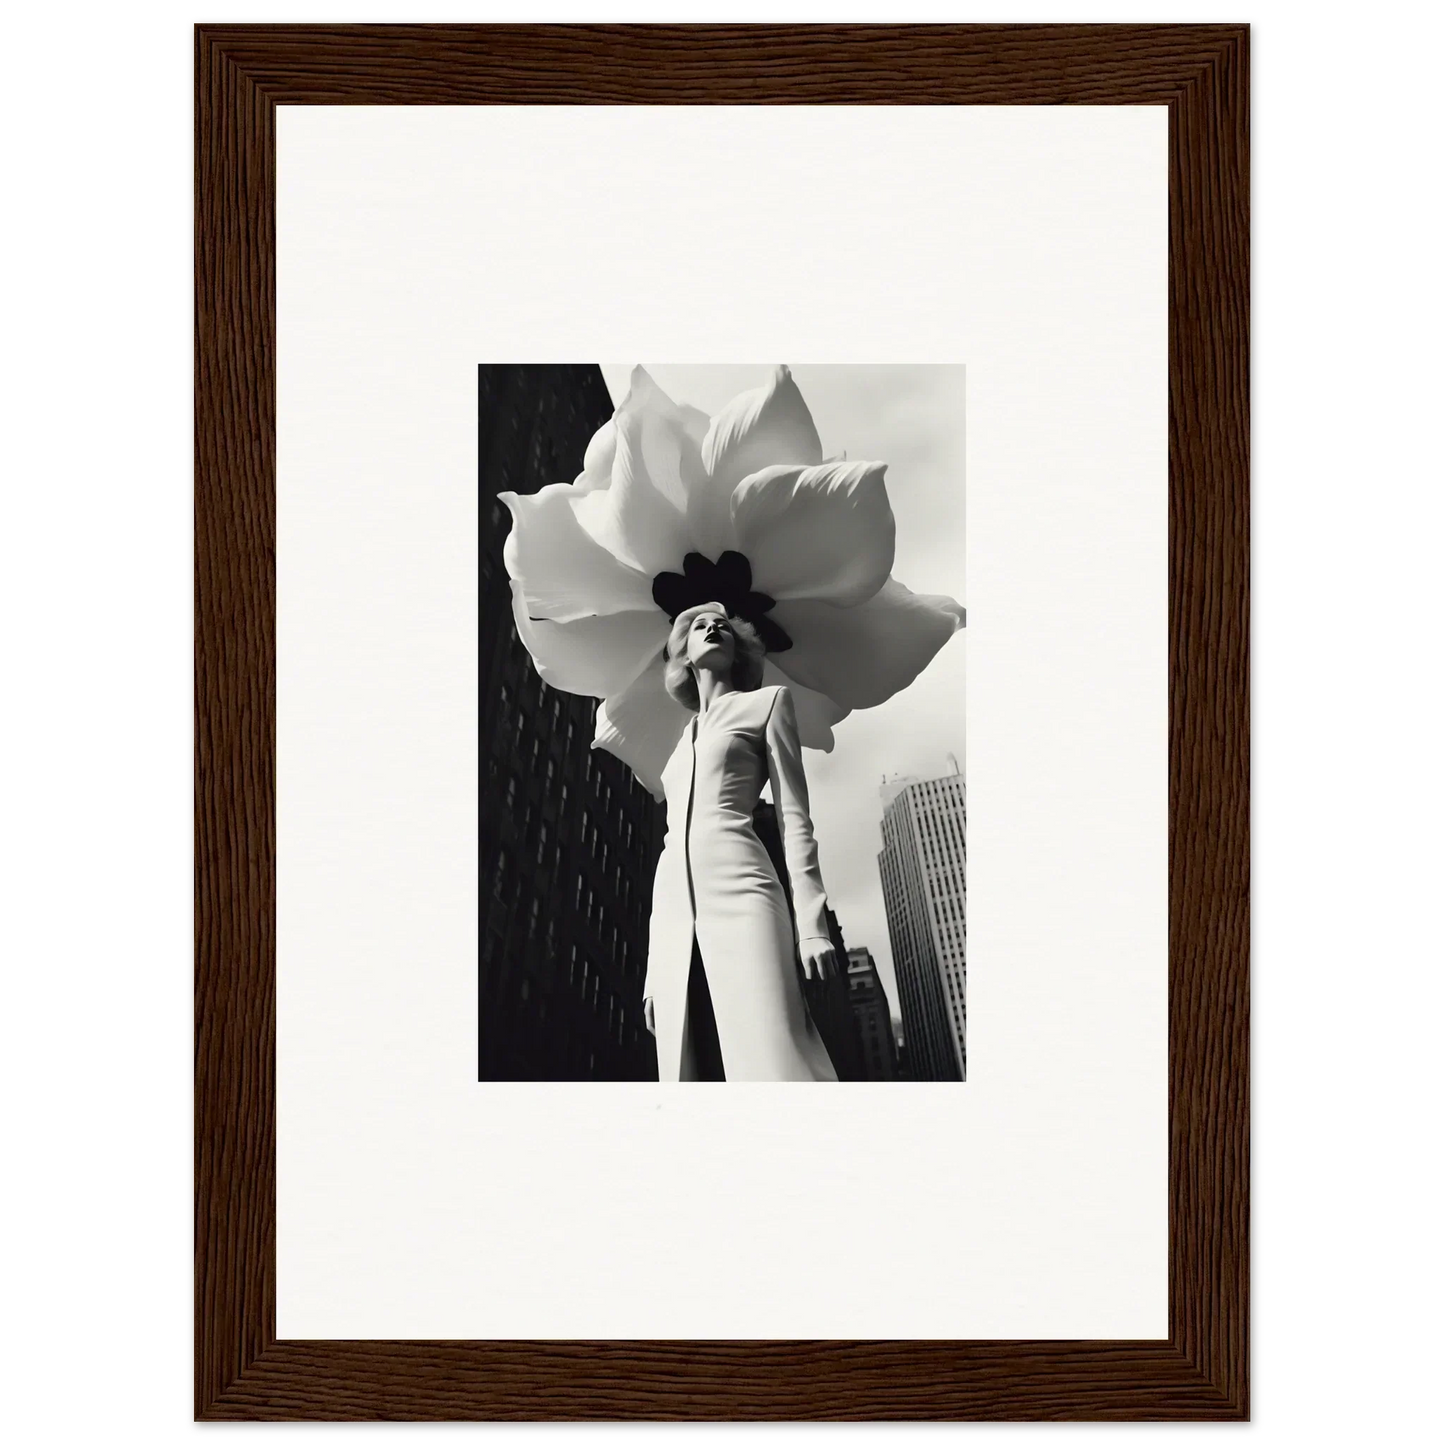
(723, 806)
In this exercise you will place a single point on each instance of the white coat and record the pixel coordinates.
(716, 883)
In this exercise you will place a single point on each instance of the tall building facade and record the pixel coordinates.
(569, 840)
(871, 1017)
(923, 866)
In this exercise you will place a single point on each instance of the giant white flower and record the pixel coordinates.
(673, 508)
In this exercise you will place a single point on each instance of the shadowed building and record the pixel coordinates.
(923, 867)
(870, 1015)
(569, 841)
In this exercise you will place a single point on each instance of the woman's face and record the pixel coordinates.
(710, 642)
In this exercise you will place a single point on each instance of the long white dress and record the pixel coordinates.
(716, 884)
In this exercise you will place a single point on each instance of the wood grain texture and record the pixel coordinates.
(242, 73)
(235, 724)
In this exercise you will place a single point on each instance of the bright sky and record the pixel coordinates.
(911, 417)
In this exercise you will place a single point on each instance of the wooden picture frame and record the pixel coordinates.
(242, 1371)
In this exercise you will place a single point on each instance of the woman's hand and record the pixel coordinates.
(820, 958)
(647, 1017)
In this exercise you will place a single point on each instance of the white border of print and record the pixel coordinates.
(1028, 243)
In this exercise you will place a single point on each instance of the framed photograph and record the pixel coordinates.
(591, 747)
(662, 494)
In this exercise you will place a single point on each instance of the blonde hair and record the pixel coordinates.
(677, 674)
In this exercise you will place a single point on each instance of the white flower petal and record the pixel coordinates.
(639, 516)
(821, 532)
(563, 573)
(669, 435)
(817, 715)
(759, 428)
(597, 463)
(860, 656)
(695, 423)
(591, 656)
(641, 725)
(756, 429)
(632, 519)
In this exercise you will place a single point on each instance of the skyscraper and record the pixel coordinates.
(923, 867)
(870, 1014)
(569, 839)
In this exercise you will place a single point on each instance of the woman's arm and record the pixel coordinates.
(795, 822)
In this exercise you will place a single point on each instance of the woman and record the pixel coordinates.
(722, 995)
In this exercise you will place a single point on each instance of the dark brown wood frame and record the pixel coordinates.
(242, 1371)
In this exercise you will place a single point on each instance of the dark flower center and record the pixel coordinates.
(728, 581)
